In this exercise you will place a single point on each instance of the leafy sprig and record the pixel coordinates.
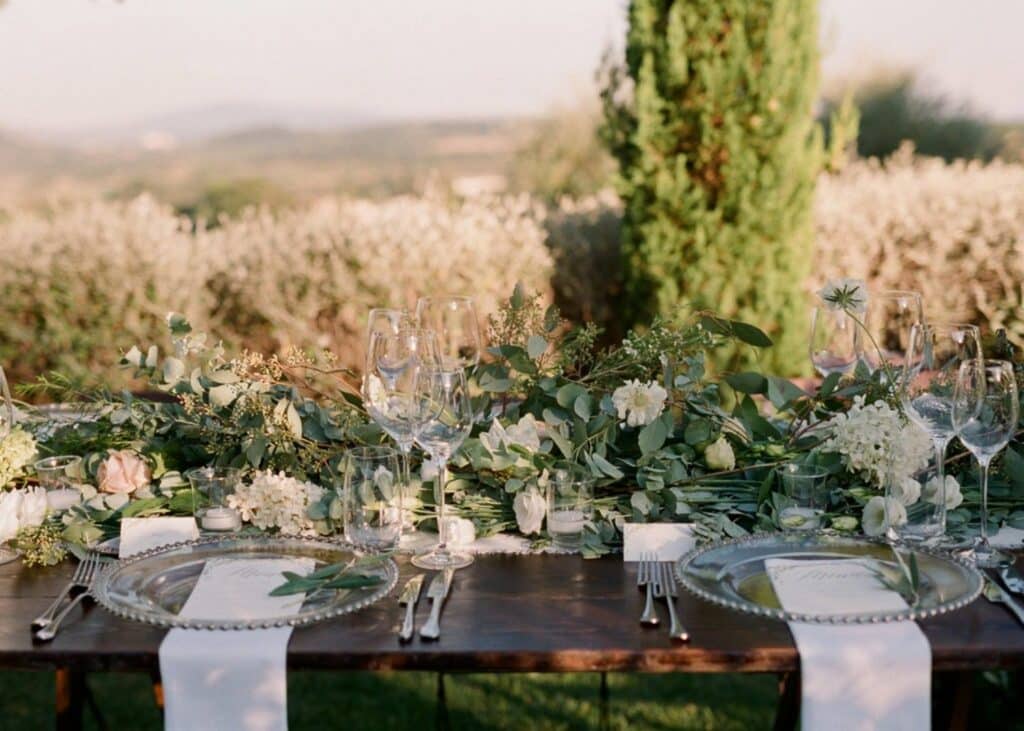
(356, 574)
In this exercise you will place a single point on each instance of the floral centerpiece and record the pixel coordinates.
(664, 439)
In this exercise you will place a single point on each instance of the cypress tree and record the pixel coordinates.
(718, 152)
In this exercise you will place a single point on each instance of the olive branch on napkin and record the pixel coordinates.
(336, 576)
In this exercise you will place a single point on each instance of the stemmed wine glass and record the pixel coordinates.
(985, 413)
(935, 353)
(385, 320)
(890, 316)
(453, 320)
(834, 341)
(6, 407)
(448, 419)
(389, 388)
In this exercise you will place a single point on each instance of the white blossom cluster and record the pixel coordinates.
(866, 435)
(638, 404)
(277, 501)
(17, 450)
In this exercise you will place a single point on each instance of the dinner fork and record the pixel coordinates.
(665, 588)
(643, 579)
(92, 567)
(77, 585)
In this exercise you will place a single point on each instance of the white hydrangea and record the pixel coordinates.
(638, 404)
(17, 450)
(864, 436)
(277, 501)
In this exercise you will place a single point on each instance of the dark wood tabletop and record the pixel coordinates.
(505, 614)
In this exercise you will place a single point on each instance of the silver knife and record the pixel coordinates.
(998, 595)
(410, 595)
(436, 592)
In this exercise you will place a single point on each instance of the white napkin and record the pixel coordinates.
(855, 677)
(232, 679)
(667, 541)
(1007, 537)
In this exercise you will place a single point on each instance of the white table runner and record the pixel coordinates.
(218, 681)
(857, 677)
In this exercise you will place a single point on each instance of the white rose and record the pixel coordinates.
(123, 471)
(639, 404)
(952, 495)
(133, 357)
(525, 433)
(10, 514)
(529, 507)
(873, 520)
(907, 491)
(33, 507)
(719, 456)
(459, 531)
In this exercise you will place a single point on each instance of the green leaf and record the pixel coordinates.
(747, 382)
(697, 432)
(566, 396)
(536, 346)
(829, 384)
(715, 325)
(255, 451)
(583, 406)
(652, 437)
(750, 335)
(782, 391)
(606, 467)
(491, 384)
(518, 298)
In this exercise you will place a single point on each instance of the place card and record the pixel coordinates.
(1008, 537)
(667, 541)
(144, 534)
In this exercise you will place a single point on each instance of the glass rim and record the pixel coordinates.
(60, 461)
(801, 470)
(213, 472)
(433, 299)
(896, 293)
(933, 325)
(371, 451)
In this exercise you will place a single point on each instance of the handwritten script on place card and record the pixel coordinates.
(239, 588)
(849, 585)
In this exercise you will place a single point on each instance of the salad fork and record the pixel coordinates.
(644, 580)
(664, 588)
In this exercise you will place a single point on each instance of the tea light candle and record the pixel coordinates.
(221, 519)
(566, 521)
(63, 499)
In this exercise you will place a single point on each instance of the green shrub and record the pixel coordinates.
(717, 152)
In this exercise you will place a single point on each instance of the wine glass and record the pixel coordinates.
(6, 407)
(889, 317)
(834, 341)
(389, 387)
(448, 419)
(985, 413)
(453, 320)
(385, 320)
(935, 352)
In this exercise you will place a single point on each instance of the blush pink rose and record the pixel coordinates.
(122, 472)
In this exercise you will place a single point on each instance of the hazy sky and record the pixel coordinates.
(72, 63)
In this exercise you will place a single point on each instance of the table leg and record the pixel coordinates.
(442, 722)
(70, 685)
(951, 700)
(604, 719)
(787, 713)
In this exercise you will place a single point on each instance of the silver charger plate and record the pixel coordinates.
(732, 574)
(153, 586)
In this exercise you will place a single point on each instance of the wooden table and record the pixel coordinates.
(505, 614)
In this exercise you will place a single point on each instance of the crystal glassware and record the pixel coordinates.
(890, 316)
(985, 413)
(372, 498)
(211, 488)
(386, 320)
(804, 486)
(389, 390)
(935, 352)
(453, 321)
(570, 498)
(834, 341)
(447, 421)
(58, 476)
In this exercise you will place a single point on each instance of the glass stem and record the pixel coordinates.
(405, 449)
(442, 530)
(940, 474)
(983, 542)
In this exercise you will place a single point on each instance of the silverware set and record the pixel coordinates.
(999, 587)
(659, 581)
(437, 592)
(48, 624)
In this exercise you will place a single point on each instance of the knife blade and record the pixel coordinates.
(410, 595)
(998, 595)
(1012, 579)
(439, 587)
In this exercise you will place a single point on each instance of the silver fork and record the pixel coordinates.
(664, 588)
(77, 585)
(643, 579)
(92, 567)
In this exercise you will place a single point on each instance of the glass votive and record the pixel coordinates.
(372, 498)
(806, 496)
(570, 506)
(211, 487)
(59, 477)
